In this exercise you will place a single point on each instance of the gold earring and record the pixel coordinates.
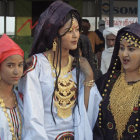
(54, 46)
(139, 69)
(122, 70)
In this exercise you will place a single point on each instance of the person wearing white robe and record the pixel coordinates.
(42, 119)
(109, 34)
(38, 89)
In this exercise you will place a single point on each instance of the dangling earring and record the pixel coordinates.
(122, 70)
(139, 69)
(54, 46)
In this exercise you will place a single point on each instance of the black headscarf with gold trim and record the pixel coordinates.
(106, 82)
(115, 65)
(132, 29)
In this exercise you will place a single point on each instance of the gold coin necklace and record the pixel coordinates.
(65, 96)
(2, 105)
(123, 99)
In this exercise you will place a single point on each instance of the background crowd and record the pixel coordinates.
(74, 84)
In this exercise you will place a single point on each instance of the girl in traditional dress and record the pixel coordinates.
(11, 70)
(119, 115)
(60, 97)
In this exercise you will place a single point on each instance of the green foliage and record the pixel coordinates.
(24, 42)
(23, 8)
(77, 4)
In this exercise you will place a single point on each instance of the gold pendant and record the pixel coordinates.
(123, 99)
(64, 98)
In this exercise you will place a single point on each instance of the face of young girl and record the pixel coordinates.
(11, 69)
(129, 56)
(70, 39)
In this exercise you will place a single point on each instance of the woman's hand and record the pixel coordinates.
(86, 69)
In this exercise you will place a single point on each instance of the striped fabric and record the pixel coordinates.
(13, 114)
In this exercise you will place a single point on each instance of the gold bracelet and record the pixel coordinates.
(89, 83)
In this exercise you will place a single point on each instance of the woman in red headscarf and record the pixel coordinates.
(11, 69)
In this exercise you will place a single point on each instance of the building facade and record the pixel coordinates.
(19, 17)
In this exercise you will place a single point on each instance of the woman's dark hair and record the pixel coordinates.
(133, 29)
(69, 16)
(44, 42)
(49, 30)
(85, 28)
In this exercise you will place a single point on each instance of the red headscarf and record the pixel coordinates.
(8, 47)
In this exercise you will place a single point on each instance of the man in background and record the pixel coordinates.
(110, 37)
(96, 38)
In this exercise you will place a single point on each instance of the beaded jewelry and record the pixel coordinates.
(122, 105)
(89, 83)
(71, 28)
(65, 96)
(54, 46)
(2, 105)
(131, 39)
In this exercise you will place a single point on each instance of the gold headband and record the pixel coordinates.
(72, 22)
(131, 39)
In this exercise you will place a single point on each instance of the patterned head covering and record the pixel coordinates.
(132, 30)
(108, 31)
(8, 48)
(49, 23)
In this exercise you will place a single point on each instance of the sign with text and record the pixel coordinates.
(121, 21)
(120, 8)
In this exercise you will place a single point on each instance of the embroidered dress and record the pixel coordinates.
(119, 113)
(5, 133)
(37, 86)
(122, 120)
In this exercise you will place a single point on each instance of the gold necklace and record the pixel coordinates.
(123, 99)
(64, 70)
(65, 95)
(2, 104)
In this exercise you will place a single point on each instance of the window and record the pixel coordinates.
(7, 13)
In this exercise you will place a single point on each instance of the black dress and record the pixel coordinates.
(105, 128)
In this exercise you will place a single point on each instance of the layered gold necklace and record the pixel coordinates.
(65, 96)
(123, 99)
(2, 105)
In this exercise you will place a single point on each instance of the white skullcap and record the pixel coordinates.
(110, 30)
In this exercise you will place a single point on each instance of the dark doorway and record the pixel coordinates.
(37, 8)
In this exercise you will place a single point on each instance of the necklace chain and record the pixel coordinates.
(2, 104)
(65, 95)
(64, 70)
(123, 99)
